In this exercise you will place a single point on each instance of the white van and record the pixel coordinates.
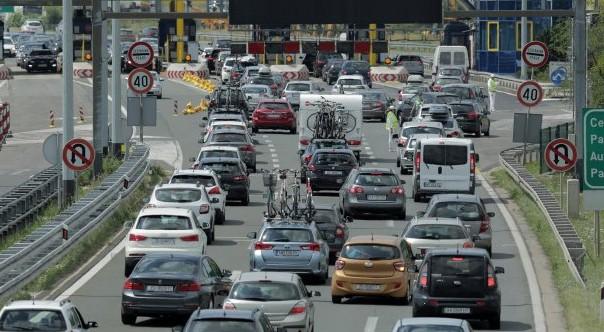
(444, 165)
(451, 56)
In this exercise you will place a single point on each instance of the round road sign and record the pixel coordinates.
(140, 54)
(529, 93)
(140, 81)
(560, 155)
(78, 154)
(535, 54)
(51, 148)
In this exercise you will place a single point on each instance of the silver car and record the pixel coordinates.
(238, 138)
(294, 89)
(431, 324)
(253, 93)
(423, 234)
(408, 153)
(414, 128)
(290, 246)
(281, 296)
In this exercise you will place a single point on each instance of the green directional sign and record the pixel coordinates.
(7, 9)
(593, 148)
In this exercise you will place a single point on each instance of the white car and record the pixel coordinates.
(253, 93)
(219, 125)
(163, 230)
(225, 73)
(424, 234)
(429, 109)
(211, 181)
(32, 26)
(156, 90)
(349, 84)
(9, 48)
(215, 151)
(37, 315)
(294, 89)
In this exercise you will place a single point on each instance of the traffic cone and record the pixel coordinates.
(188, 109)
(52, 119)
(82, 120)
(175, 108)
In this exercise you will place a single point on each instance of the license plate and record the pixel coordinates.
(273, 116)
(367, 287)
(456, 310)
(287, 252)
(376, 197)
(432, 184)
(157, 288)
(42, 65)
(333, 172)
(163, 242)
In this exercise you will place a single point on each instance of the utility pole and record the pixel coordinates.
(97, 83)
(523, 39)
(116, 84)
(104, 87)
(579, 77)
(67, 174)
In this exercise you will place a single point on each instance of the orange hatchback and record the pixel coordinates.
(373, 265)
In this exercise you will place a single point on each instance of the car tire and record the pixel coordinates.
(128, 319)
(403, 214)
(398, 162)
(292, 130)
(490, 251)
(221, 217)
(246, 200)
(417, 198)
(332, 258)
(322, 278)
(495, 322)
(254, 130)
(403, 171)
(159, 96)
(414, 313)
(336, 299)
(128, 268)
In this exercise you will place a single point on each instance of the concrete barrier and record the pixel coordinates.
(389, 74)
(5, 73)
(178, 70)
(291, 72)
(82, 70)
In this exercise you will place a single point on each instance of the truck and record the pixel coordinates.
(352, 106)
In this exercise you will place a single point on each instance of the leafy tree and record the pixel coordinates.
(15, 20)
(52, 18)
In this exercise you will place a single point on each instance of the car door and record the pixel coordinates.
(346, 186)
(223, 283)
(211, 282)
(74, 320)
(306, 296)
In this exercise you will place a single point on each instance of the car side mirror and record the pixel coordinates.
(315, 293)
(420, 213)
(348, 219)
(227, 273)
(402, 181)
(300, 152)
(90, 325)
(491, 214)
(214, 200)
(249, 97)
(200, 140)
(499, 270)
(251, 235)
(177, 329)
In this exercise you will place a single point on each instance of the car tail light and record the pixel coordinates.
(204, 208)
(240, 178)
(485, 224)
(263, 246)
(423, 280)
(247, 148)
(339, 265)
(340, 232)
(304, 141)
(190, 238)
(214, 191)
(312, 167)
(356, 189)
(468, 244)
(343, 72)
(398, 190)
(274, 86)
(472, 163)
(133, 285)
(402, 141)
(228, 306)
(298, 309)
(188, 287)
(491, 282)
(311, 246)
(307, 158)
(472, 116)
(354, 142)
(418, 158)
(453, 134)
(400, 267)
(136, 237)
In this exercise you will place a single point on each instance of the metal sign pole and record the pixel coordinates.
(597, 232)
(58, 164)
(140, 99)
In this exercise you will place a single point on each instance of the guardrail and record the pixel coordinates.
(26, 259)
(569, 241)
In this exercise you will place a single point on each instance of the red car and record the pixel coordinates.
(273, 114)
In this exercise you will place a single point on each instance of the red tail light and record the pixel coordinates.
(340, 233)
(418, 158)
(304, 141)
(339, 265)
(356, 189)
(228, 306)
(312, 167)
(190, 238)
(133, 285)
(263, 246)
(188, 287)
(400, 267)
(311, 246)
(491, 283)
(423, 280)
(204, 208)
(248, 148)
(298, 309)
(136, 237)
(472, 116)
(307, 158)
(472, 163)
(468, 245)
(398, 190)
(402, 141)
(214, 191)
(354, 142)
(453, 134)
(274, 86)
(240, 178)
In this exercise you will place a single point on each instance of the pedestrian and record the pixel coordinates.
(391, 125)
(492, 86)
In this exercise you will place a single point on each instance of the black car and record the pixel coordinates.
(471, 118)
(458, 283)
(233, 177)
(321, 60)
(228, 321)
(331, 70)
(316, 144)
(350, 67)
(40, 60)
(329, 168)
(333, 227)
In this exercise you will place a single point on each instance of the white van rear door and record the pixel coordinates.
(445, 167)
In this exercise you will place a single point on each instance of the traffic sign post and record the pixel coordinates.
(140, 81)
(140, 54)
(78, 154)
(535, 54)
(560, 155)
(529, 94)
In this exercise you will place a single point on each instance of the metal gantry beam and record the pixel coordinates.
(510, 13)
(173, 15)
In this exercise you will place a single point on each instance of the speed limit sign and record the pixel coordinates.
(140, 81)
(529, 93)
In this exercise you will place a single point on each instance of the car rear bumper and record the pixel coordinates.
(469, 127)
(325, 182)
(394, 286)
(237, 192)
(361, 206)
(284, 124)
(159, 306)
(374, 114)
(435, 306)
(311, 267)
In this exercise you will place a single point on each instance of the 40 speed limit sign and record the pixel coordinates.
(529, 93)
(140, 81)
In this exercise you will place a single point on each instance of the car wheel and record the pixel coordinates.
(336, 299)
(403, 171)
(417, 198)
(254, 130)
(403, 213)
(246, 200)
(322, 278)
(398, 162)
(128, 319)
(495, 322)
(414, 313)
(490, 251)
(405, 299)
(332, 258)
(221, 218)
(159, 96)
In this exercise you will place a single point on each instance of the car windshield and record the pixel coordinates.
(436, 232)
(357, 65)
(223, 168)
(377, 179)
(286, 235)
(461, 92)
(32, 320)
(218, 154)
(447, 80)
(255, 89)
(229, 63)
(222, 324)
(325, 216)
(350, 81)
(264, 291)
(273, 106)
(228, 137)
(178, 195)
(298, 87)
(407, 132)
(340, 159)
(204, 180)
(466, 211)
(458, 265)
(168, 265)
(449, 155)
(163, 222)
(450, 72)
(330, 145)
(429, 328)
(252, 72)
(34, 24)
(370, 252)
(462, 108)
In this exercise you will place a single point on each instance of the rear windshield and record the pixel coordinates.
(229, 126)
(370, 252)
(164, 222)
(450, 72)
(34, 24)
(462, 108)
(223, 168)
(265, 291)
(218, 154)
(204, 180)
(429, 328)
(466, 211)
(228, 137)
(255, 89)
(449, 155)
(298, 87)
(171, 265)
(445, 58)
(407, 132)
(273, 106)
(32, 320)
(452, 265)
(222, 324)
(324, 216)
(339, 159)
(448, 80)
(361, 65)
(262, 80)
(178, 195)
(286, 235)
(229, 63)
(350, 81)
(461, 92)
(377, 179)
(459, 58)
(252, 72)
(436, 232)
(446, 99)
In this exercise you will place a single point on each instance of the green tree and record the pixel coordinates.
(53, 16)
(16, 20)
(595, 58)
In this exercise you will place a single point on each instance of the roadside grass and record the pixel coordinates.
(94, 241)
(581, 306)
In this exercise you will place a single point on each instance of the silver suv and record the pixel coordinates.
(33, 315)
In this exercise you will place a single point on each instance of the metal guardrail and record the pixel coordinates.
(26, 259)
(569, 241)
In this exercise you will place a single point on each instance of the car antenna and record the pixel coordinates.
(371, 236)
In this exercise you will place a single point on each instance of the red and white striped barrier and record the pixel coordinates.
(178, 70)
(4, 122)
(5, 73)
(389, 74)
(291, 72)
(82, 70)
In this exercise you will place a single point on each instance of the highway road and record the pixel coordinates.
(174, 140)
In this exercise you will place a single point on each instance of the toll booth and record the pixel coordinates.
(82, 38)
(167, 37)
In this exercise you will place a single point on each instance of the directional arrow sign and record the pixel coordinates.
(560, 155)
(140, 54)
(535, 54)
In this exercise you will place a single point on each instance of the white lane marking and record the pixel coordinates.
(371, 324)
(525, 258)
(390, 223)
(2, 83)
(264, 136)
(272, 150)
(274, 155)
(276, 166)
(275, 160)
(367, 148)
(270, 145)
(374, 163)
(268, 141)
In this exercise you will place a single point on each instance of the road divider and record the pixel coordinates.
(389, 74)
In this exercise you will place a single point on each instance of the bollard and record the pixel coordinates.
(602, 301)
(52, 119)
(572, 203)
(82, 120)
(175, 108)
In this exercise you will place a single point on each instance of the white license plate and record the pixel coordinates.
(157, 288)
(333, 172)
(287, 252)
(163, 242)
(367, 287)
(432, 184)
(42, 65)
(376, 197)
(456, 310)
(273, 116)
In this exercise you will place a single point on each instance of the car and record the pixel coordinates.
(316, 144)
(24, 50)
(329, 168)
(459, 283)
(220, 320)
(350, 84)
(432, 324)
(416, 128)
(472, 118)
(211, 57)
(406, 157)
(156, 89)
(470, 92)
(411, 90)
(266, 80)
(321, 60)
(224, 125)
(215, 151)
(440, 82)
(294, 89)
(40, 60)
(470, 209)
(8, 47)
(158, 230)
(39, 315)
(282, 296)
(187, 196)
(274, 114)
(425, 234)
(451, 71)
(331, 70)
(228, 97)
(370, 190)
(176, 284)
(218, 114)
(373, 266)
(233, 177)
(429, 112)
(280, 82)
(211, 182)
(32, 26)
(412, 63)
(150, 32)
(285, 245)
(248, 73)
(333, 227)
(253, 93)
(228, 65)
(353, 67)
(451, 126)
(219, 61)
(237, 138)
(375, 103)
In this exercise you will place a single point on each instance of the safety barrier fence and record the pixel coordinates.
(4, 123)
